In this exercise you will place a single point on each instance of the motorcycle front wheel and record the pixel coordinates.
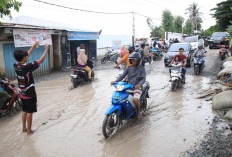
(196, 69)
(174, 85)
(110, 124)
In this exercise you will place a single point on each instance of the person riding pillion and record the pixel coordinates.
(136, 76)
(200, 52)
(82, 60)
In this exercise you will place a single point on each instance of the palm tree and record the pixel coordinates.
(194, 14)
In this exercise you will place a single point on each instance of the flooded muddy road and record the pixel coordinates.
(69, 122)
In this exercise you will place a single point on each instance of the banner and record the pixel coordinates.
(82, 36)
(27, 37)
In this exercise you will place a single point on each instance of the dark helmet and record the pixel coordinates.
(135, 56)
(142, 45)
(131, 49)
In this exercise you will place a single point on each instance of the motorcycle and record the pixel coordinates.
(110, 56)
(121, 108)
(157, 54)
(147, 59)
(80, 76)
(198, 65)
(13, 103)
(176, 76)
(222, 52)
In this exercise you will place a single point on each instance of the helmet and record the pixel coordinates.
(135, 56)
(131, 49)
(200, 45)
(142, 45)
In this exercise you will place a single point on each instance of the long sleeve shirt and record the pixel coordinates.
(133, 73)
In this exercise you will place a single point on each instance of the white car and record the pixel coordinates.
(194, 41)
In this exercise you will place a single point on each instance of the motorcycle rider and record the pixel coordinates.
(133, 73)
(147, 50)
(225, 43)
(141, 51)
(183, 59)
(126, 58)
(200, 52)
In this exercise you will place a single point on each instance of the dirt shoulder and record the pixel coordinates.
(218, 141)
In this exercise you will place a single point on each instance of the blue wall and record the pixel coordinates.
(36, 54)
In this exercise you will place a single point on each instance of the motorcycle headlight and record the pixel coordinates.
(120, 88)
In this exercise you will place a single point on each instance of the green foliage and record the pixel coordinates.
(167, 21)
(178, 21)
(188, 28)
(229, 29)
(194, 15)
(209, 31)
(7, 5)
(157, 32)
(223, 14)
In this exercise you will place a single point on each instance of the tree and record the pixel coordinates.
(194, 15)
(178, 21)
(223, 14)
(7, 5)
(188, 28)
(157, 32)
(167, 21)
(150, 23)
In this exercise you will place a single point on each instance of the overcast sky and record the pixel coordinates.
(113, 24)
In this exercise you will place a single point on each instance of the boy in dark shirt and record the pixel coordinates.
(26, 85)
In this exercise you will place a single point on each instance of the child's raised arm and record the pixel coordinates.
(41, 60)
(32, 48)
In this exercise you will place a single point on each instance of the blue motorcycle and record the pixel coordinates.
(123, 107)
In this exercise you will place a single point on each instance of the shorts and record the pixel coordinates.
(137, 94)
(29, 105)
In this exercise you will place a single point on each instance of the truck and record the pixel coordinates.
(171, 35)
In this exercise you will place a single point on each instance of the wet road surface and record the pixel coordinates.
(68, 122)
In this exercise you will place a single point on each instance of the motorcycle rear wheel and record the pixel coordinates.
(75, 82)
(110, 124)
(144, 105)
(103, 60)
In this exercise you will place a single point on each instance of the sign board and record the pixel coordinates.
(116, 44)
(82, 36)
(27, 37)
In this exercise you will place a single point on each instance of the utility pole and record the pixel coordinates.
(133, 14)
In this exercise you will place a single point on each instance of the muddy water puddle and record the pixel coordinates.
(68, 122)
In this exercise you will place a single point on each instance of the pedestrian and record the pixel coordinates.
(26, 84)
(79, 49)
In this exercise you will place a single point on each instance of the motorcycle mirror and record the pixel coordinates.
(205, 52)
(139, 78)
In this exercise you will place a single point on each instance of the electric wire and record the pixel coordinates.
(91, 11)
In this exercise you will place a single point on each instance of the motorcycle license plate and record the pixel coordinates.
(74, 76)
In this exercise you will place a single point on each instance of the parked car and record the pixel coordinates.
(174, 50)
(194, 41)
(216, 38)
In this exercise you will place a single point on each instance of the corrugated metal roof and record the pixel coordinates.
(36, 23)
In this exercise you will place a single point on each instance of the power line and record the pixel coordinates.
(91, 11)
